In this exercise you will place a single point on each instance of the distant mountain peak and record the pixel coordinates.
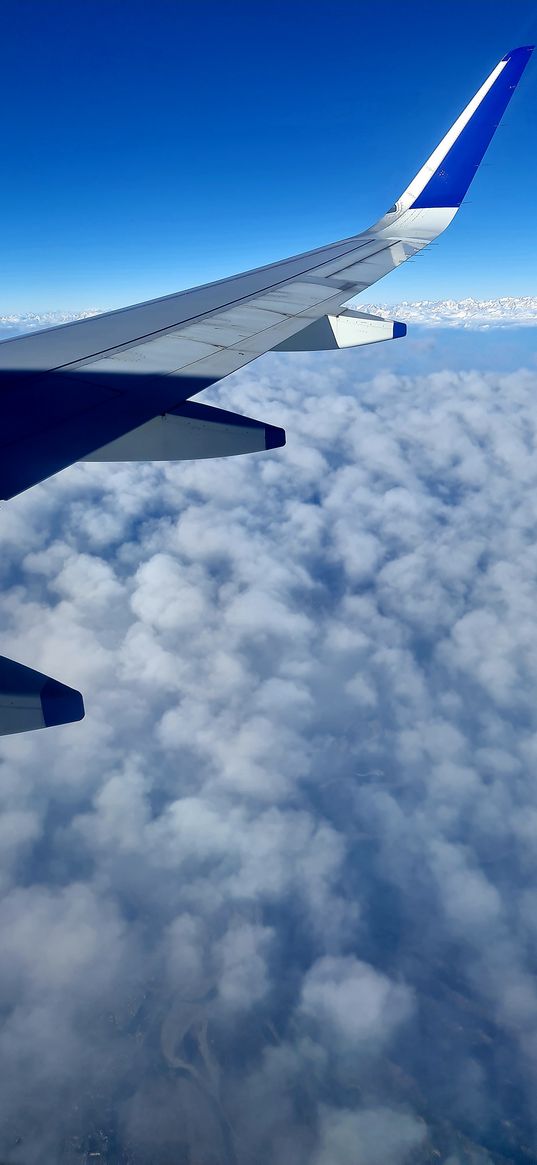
(508, 310)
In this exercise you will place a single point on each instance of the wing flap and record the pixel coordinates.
(192, 432)
(350, 329)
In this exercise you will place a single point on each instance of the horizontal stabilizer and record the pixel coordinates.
(349, 329)
(29, 699)
(191, 432)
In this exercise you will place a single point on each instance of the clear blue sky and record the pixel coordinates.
(156, 144)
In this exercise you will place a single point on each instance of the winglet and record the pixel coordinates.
(447, 174)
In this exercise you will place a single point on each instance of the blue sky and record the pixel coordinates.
(150, 147)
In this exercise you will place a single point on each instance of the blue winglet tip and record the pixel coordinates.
(525, 49)
(60, 704)
(274, 437)
(449, 183)
(399, 329)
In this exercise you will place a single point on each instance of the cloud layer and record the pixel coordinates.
(275, 899)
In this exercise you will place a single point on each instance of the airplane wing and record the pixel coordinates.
(117, 386)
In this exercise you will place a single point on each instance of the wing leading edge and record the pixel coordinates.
(102, 386)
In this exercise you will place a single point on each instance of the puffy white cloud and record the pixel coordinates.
(357, 1002)
(274, 898)
(242, 975)
(357, 1138)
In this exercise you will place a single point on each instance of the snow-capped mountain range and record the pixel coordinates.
(508, 311)
(13, 323)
